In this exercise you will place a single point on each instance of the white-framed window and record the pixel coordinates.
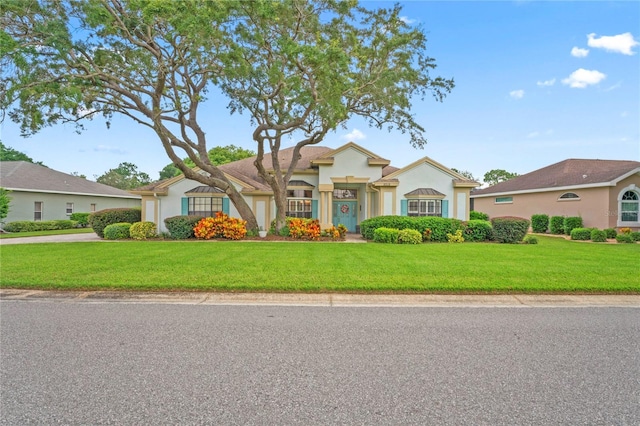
(37, 211)
(569, 196)
(424, 208)
(204, 206)
(69, 209)
(299, 203)
(629, 207)
(504, 200)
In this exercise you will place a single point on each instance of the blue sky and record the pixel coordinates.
(536, 83)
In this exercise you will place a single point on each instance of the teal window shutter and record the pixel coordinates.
(225, 205)
(314, 208)
(445, 208)
(185, 206)
(403, 207)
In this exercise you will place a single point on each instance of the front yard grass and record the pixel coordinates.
(552, 266)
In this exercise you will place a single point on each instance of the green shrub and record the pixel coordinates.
(143, 230)
(581, 234)
(117, 231)
(509, 229)
(456, 237)
(474, 215)
(101, 219)
(409, 236)
(539, 223)
(635, 236)
(81, 218)
(439, 226)
(45, 225)
(570, 223)
(611, 232)
(624, 238)
(386, 235)
(598, 236)
(530, 239)
(181, 227)
(556, 225)
(478, 230)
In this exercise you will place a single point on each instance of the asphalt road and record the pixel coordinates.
(131, 363)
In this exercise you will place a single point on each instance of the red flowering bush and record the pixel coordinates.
(220, 226)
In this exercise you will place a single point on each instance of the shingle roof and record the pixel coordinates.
(22, 175)
(567, 173)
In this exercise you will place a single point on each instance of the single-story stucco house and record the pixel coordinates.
(605, 193)
(337, 186)
(39, 193)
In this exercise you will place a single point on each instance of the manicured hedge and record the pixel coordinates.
(181, 227)
(570, 223)
(386, 235)
(474, 215)
(45, 225)
(635, 236)
(409, 236)
(142, 230)
(611, 232)
(581, 234)
(556, 225)
(103, 218)
(478, 230)
(598, 236)
(509, 229)
(117, 231)
(81, 218)
(439, 226)
(539, 223)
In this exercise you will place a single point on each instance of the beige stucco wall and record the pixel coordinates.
(598, 207)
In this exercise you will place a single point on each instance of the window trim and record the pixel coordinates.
(437, 207)
(35, 211)
(629, 223)
(307, 202)
(191, 211)
(563, 198)
(69, 213)
(503, 200)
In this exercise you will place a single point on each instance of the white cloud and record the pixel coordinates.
(579, 53)
(407, 20)
(354, 135)
(533, 135)
(621, 43)
(581, 78)
(546, 83)
(517, 94)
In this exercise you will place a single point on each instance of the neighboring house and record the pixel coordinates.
(39, 193)
(337, 186)
(605, 193)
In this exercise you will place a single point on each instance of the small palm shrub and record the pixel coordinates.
(598, 236)
(142, 230)
(509, 229)
(117, 231)
(409, 236)
(556, 225)
(386, 235)
(539, 223)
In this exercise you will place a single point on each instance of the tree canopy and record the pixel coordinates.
(300, 68)
(495, 176)
(217, 155)
(125, 176)
(9, 154)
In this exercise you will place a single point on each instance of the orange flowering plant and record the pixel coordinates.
(308, 229)
(220, 226)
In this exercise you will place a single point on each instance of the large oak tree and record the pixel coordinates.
(299, 67)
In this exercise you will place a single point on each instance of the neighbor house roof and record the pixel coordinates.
(30, 177)
(566, 174)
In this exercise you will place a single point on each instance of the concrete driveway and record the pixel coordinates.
(64, 238)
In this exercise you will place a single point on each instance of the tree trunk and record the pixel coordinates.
(280, 198)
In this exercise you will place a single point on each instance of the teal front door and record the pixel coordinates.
(345, 212)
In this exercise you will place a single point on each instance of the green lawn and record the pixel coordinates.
(43, 233)
(552, 266)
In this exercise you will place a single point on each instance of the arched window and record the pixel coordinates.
(629, 206)
(569, 196)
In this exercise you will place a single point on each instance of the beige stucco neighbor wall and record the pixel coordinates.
(598, 207)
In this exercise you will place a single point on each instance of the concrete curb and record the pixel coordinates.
(327, 300)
